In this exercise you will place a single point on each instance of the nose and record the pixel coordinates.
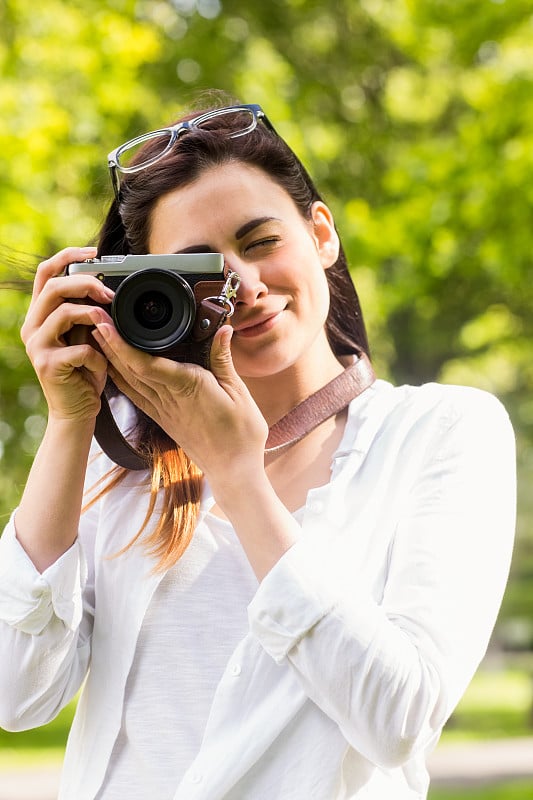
(251, 288)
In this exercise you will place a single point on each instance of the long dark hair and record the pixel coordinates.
(127, 230)
(127, 227)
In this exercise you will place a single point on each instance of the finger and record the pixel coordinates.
(72, 379)
(60, 291)
(50, 332)
(56, 265)
(83, 355)
(221, 361)
(144, 377)
(140, 400)
(146, 367)
(74, 288)
(131, 369)
(57, 366)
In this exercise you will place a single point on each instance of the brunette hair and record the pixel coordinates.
(127, 230)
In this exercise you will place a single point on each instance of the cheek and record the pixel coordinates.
(314, 290)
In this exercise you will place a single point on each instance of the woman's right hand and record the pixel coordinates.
(72, 376)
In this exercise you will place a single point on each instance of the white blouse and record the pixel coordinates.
(357, 645)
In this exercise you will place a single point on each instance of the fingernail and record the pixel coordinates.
(103, 330)
(98, 315)
(88, 249)
(97, 336)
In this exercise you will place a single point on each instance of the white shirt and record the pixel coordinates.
(361, 639)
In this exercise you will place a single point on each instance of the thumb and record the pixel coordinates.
(221, 362)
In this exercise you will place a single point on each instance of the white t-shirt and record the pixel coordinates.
(197, 616)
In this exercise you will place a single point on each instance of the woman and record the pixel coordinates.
(295, 623)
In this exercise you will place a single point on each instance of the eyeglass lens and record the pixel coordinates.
(229, 122)
(160, 141)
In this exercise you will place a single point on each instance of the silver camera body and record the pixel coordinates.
(167, 305)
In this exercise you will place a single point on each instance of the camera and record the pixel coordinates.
(167, 305)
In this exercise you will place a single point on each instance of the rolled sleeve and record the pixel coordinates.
(373, 608)
(294, 597)
(29, 599)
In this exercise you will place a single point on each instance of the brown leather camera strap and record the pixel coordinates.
(301, 420)
(320, 406)
(113, 443)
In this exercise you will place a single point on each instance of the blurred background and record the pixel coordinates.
(416, 119)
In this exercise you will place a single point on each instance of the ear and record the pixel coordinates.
(324, 234)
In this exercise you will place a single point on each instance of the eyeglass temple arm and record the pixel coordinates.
(113, 171)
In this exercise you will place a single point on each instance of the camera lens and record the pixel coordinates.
(153, 309)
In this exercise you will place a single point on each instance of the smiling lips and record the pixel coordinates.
(257, 325)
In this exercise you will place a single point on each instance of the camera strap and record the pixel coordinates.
(301, 420)
(320, 406)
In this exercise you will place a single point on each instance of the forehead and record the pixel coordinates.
(233, 178)
(222, 196)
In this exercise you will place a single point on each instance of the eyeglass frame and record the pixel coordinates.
(175, 132)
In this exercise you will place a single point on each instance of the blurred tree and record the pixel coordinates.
(415, 117)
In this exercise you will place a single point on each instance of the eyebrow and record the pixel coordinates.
(253, 223)
(196, 248)
(242, 231)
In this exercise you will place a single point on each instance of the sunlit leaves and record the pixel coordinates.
(414, 116)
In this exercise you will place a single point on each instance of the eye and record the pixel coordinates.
(268, 241)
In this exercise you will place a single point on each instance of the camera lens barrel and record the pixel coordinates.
(154, 309)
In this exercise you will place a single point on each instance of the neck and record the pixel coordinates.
(277, 394)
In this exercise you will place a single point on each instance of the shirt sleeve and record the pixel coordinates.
(28, 598)
(46, 622)
(390, 671)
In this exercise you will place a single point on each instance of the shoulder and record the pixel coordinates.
(451, 403)
(387, 413)
(443, 401)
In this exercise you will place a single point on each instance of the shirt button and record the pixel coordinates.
(236, 670)
(196, 777)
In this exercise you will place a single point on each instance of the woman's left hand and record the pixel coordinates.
(210, 413)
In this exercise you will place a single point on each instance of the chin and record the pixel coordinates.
(262, 367)
(273, 355)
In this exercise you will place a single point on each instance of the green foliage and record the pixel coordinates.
(496, 705)
(415, 117)
(512, 790)
(48, 741)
